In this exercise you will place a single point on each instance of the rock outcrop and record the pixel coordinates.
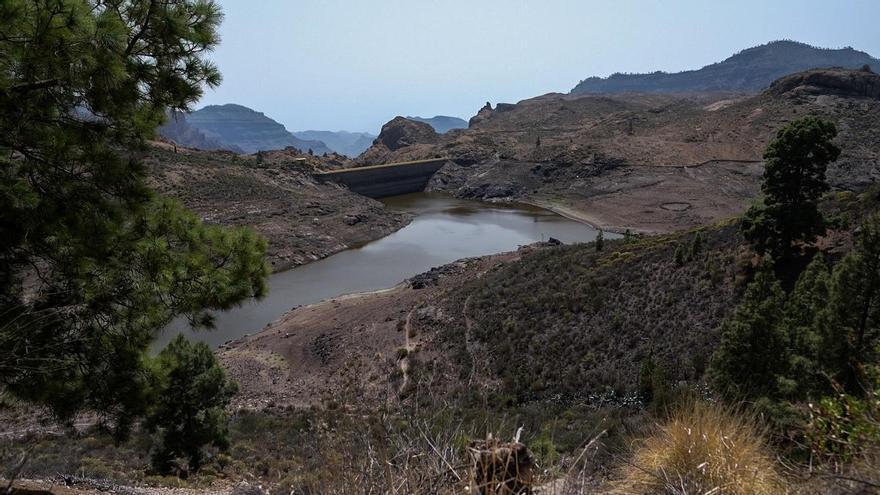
(482, 115)
(401, 132)
(836, 81)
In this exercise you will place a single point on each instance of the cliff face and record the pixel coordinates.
(750, 70)
(247, 129)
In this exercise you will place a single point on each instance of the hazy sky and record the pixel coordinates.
(354, 65)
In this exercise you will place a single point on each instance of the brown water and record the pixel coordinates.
(445, 229)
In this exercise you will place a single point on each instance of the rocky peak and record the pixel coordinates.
(482, 115)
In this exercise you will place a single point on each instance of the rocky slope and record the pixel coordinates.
(651, 162)
(749, 70)
(252, 131)
(274, 193)
(442, 123)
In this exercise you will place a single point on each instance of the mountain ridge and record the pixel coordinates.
(749, 70)
(248, 129)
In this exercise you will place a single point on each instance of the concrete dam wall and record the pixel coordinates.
(379, 181)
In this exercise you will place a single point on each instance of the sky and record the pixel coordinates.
(356, 64)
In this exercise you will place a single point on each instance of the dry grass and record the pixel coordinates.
(702, 449)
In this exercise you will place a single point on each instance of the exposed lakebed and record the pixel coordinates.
(444, 229)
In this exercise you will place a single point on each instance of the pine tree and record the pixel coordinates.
(600, 240)
(794, 180)
(753, 350)
(803, 311)
(190, 396)
(851, 325)
(678, 255)
(92, 263)
(696, 246)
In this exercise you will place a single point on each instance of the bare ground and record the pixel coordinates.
(353, 349)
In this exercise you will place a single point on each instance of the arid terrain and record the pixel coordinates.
(690, 161)
(657, 283)
(548, 326)
(648, 162)
(275, 193)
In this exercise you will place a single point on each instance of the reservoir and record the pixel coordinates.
(443, 230)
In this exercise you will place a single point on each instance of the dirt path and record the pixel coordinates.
(403, 362)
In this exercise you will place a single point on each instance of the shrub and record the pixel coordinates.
(703, 448)
(844, 427)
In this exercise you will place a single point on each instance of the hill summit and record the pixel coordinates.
(750, 70)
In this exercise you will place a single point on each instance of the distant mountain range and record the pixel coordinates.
(345, 143)
(750, 70)
(442, 123)
(178, 130)
(243, 130)
(247, 129)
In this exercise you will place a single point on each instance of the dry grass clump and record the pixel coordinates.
(703, 449)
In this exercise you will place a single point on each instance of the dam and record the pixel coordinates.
(391, 179)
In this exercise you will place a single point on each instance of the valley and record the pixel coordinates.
(656, 283)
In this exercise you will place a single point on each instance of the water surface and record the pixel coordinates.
(444, 229)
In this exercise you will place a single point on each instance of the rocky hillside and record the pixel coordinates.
(749, 70)
(652, 162)
(275, 194)
(442, 123)
(545, 324)
(346, 143)
(252, 131)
